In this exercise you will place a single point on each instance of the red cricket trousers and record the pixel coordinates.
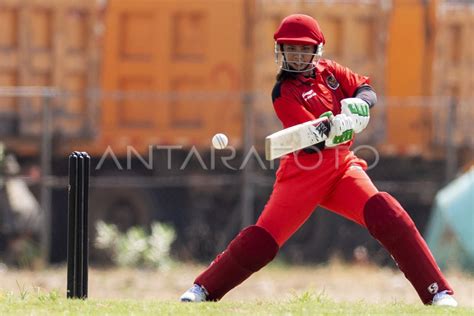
(333, 178)
(336, 180)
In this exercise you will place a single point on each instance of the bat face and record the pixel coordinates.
(319, 130)
(296, 137)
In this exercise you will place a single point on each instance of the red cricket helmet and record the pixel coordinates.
(299, 29)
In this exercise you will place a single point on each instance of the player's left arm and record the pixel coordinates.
(366, 93)
(362, 96)
(358, 107)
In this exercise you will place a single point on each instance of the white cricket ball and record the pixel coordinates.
(219, 141)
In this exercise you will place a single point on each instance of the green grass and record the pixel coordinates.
(52, 303)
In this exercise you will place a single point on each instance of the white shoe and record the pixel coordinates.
(195, 294)
(444, 299)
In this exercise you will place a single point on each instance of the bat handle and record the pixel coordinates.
(329, 116)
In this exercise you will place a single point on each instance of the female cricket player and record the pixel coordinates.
(327, 174)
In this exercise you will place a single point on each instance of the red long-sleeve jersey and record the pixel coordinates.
(306, 180)
(300, 99)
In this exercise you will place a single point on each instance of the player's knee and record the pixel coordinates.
(253, 248)
(386, 219)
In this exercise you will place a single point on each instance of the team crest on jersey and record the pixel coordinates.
(332, 82)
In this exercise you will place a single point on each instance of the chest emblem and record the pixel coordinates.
(308, 95)
(332, 82)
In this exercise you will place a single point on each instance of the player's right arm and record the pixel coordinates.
(287, 108)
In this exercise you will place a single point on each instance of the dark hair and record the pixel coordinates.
(283, 75)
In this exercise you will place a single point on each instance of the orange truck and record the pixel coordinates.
(161, 72)
(132, 75)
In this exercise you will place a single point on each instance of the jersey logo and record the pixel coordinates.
(332, 82)
(308, 95)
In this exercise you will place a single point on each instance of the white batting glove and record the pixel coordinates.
(342, 130)
(358, 110)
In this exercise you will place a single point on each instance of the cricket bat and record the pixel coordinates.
(296, 137)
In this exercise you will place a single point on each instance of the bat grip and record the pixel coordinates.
(327, 123)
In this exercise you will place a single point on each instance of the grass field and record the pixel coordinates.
(306, 304)
(334, 289)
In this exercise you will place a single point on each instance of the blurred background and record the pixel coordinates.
(143, 85)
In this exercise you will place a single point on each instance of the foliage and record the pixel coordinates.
(136, 248)
(23, 252)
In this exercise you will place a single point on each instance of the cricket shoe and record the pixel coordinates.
(195, 294)
(444, 299)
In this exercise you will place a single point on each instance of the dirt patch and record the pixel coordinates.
(337, 281)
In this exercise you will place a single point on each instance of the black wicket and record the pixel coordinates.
(77, 230)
